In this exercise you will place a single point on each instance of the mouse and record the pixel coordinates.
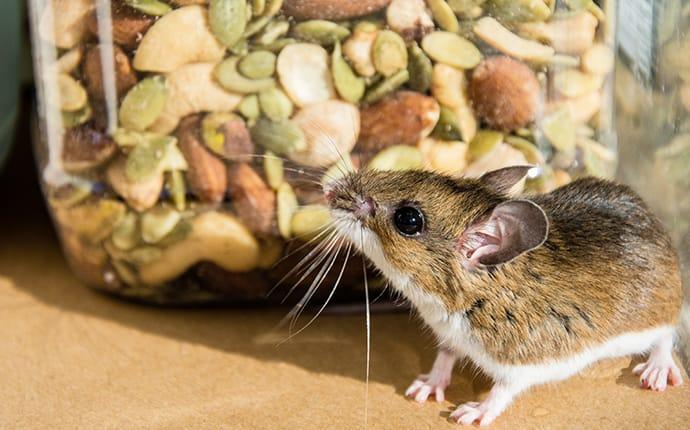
(530, 289)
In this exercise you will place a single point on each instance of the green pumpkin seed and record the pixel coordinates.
(213, 138)
(387, 86)
(240, 48)
(420, 69)
(72, 94)
(178, 190)
(180, 232)
(389, 53)
(144, 103)
(144, 255)
(350, 86)
(228, 20)
(231, 79)
(483, 143)
(532, 154)
(146, 159)
(272, 31)
(275, 104)
(150, 7)
(129, 138)
(279, 44)
(308, 221)
(367, 27)
(464, 7)
(173, 159)
(125, 272)
(125, 236)
(258, 7)
(560, 130)
(249, 107)
(286, 206)
(281, 137)
(78, 117)
(447, 127)
(451, 49)
(157, 222)
(319, 31)
(519, 10)
(398, 157)
(256, 26)
(443, 15)
(273, 7)
(273, 169)
(578, 5)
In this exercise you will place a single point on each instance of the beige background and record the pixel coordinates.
(71, 358)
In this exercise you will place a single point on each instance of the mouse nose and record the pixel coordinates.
(364, 207)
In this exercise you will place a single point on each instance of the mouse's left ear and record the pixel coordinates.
(512, 228)
(502, 180)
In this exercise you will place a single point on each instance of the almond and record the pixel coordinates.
(505, 93)
(125, 77)
(84, 148)
(253, 200)
(129, 25)
(400, 119)
(206, 175)
(332, 9)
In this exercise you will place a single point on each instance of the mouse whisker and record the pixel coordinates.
(310, 242)
(333, 146)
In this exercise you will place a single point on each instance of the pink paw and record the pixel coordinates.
(424, 386)
(656, 373)
(471, 412)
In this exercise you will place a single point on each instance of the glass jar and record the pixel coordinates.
(653, 116)
(183, 143)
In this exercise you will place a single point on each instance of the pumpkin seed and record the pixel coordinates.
(129, 138)
(279, 44)
(144, 255)
(272, 31)
(258, 7)
(275, 104)
(144, 103)
(443, 15)
(281, 137)
(483, 143)
(146, 159)
(273, 169)
(420, 69)
(560, 130)
(273, 7)
(387, 86)
(256, 26)
(249, 107)
(519, 10)
(125, 235)
(499, 37)
(125, 272)
(447, 126)
(398, 157)
(309, 221)
(241, 48)
(178, 190)
(173, 159)
(271, 252)
(150, 7)
(451, 49)
(532, 154)
(72, 94)
(228, 20)
(350, 86)
(228, 77)
(287, 204)
(214, 139)
(389, 53)
(157, 222)
(319, 31)
(78, 117)
(180, 232)
(464, 7)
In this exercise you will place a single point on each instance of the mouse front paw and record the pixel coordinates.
(468, 413)
(426, 385)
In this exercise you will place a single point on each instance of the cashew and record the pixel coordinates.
(572, 35)
(581, 108)
(357, 49)
(178, 38)
(191, 89)
(496, 35)
(63, 22)
(598, 59)
(216, 237)
(304, 73)
(409, 18)
(444, 157)
(70, 60)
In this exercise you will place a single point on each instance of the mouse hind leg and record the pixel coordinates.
(660, 370)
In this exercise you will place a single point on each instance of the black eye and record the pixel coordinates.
(408, 220)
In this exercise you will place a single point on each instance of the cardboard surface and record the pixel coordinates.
(71, 358)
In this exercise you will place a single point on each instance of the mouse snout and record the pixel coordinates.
(360, 207)
(364, 207)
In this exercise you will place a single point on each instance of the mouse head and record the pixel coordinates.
(425, 226)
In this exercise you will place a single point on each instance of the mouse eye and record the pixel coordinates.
(408, 220)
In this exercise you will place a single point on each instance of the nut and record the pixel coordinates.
(129, 25)
(85, 148)
(581, 108)
(574, 83)
(502, 156)
(207, 175)
(398, 157)
(409, 18)
(93, 220)
(400, 119)
(496, 35)
(304, 73)
(227, 135)
(389, 53)
(330, 129)
(484, 143)
(163, 50)
(598, 59)
(63, 22)
(72, 93)
(139, 195)
(216, 237)
(571, 35)
(70, 60)
(505, 93)
(357, 49)
(125, 77)
(158, 222)
(446, 157)
(191, 89)
(331, 9)
(253, 201)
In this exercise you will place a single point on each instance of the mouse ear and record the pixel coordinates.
(502, 180)
(512, 228)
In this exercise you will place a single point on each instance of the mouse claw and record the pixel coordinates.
(424, 386)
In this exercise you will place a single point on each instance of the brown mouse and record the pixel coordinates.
(532, 290)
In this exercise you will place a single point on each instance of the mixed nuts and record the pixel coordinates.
(193, 137)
